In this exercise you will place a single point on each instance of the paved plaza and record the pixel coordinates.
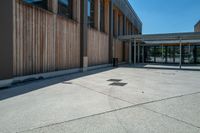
(120, 100)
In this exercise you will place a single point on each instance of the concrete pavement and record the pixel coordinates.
(152, 101)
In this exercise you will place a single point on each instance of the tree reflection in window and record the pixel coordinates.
(65, 8)
(39, 3)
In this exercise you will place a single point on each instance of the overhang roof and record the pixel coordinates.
(169, 38)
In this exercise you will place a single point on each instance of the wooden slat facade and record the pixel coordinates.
(44, 42)
(98, 47)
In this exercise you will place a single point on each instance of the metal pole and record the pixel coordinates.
(162, 54)
(135, 51)
(189, 53)
(130, 52)
(180, 64)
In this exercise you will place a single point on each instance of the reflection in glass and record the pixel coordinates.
(91, 13)
(171, 54)
(39, 3)
(198, 54)
(65, 8)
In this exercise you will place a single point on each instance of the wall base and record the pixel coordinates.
(10, 82)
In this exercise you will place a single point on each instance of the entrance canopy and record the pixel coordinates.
(157, 39)
(160, 39)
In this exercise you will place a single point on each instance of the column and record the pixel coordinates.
(138, 53)
(135, 50)
(180, 63)
(142, 54)
(124, 33)
(162, 54)
(84, 34)
(111, 49)
(130, 52)
(54, 9)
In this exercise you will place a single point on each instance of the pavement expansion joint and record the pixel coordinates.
(104, 93)
(123, 108)
(165, 115)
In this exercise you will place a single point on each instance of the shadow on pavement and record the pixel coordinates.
(27, 87)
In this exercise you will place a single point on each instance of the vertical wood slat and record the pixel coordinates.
(39, 39)
(98, 47)
(68, 46)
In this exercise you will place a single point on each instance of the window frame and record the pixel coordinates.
(69, 10)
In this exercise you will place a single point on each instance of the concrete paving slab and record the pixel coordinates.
(130, 120)
(64, 103)
(185, 108)
(144, 85)
(53, 104)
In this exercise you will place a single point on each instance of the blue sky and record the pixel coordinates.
(167, 16)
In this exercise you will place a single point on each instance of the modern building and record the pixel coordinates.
(48, 37)
(171, 48)
(197, 27)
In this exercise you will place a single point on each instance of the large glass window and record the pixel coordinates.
(91, 13)
(150, 54)
(191, 54)
(171, 54)
(65, 8)
(177, 54)
(198, 54)
(102, 16)
(39, 3)
(158, 54)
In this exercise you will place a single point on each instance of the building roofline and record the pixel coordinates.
(130, 6)
(197, 23)
(160, 37)
(128, 11)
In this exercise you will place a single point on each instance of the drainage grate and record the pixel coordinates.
(118, 84)
(114, 80)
